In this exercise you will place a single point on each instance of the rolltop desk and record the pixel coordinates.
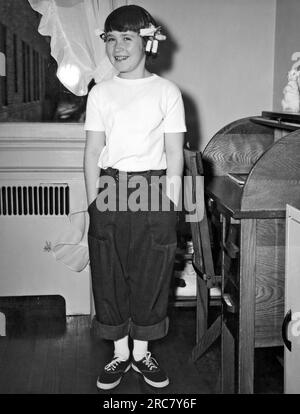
(252, 170)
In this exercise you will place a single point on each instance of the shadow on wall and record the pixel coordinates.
(163, 63)
(193, 134)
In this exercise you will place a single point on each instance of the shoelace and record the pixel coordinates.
(150, 362)
(113, 364)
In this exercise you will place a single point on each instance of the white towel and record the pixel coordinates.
(70, 246)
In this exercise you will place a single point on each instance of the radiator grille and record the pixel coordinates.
(42, 200)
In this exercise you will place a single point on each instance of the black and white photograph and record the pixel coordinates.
(149, 200)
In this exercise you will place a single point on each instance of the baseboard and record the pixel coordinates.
(25, 314)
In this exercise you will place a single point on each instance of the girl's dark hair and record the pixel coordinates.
(127, 18)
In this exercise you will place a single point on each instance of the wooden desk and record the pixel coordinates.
(249, 232)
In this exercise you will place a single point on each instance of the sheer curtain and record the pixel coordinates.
(74, 26)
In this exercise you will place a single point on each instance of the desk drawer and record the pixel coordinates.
(226, 247)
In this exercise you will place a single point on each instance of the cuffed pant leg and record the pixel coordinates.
(109, 280)
(151, 271)
(149, 332)
(110, 331)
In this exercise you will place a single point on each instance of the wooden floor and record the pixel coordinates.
(48, 357)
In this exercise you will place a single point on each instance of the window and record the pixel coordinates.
(36, 76)
(16, 63)
(3, 79)
(27, 75)
(23, 58)
(25, 94)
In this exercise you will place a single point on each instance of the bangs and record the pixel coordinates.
(128, 18)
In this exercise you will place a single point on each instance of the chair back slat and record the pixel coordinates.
(203, 260)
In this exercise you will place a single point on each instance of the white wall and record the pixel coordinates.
(287, 41)
(224, 58)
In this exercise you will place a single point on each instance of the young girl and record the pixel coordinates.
(135, 131)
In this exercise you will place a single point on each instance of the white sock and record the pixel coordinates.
(140, 349)
(122, 348)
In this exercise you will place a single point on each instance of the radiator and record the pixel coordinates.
(38, 199)
(39, 177)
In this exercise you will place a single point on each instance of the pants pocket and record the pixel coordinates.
(90, 206)
(102, 223)
(162, 227)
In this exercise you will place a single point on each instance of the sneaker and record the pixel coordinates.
(112, 373)
(151, 371)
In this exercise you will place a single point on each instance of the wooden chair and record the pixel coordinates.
(202, 258)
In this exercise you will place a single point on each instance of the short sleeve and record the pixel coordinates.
(93, 117)
(175, 116)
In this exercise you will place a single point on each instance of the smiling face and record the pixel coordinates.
(125, 51)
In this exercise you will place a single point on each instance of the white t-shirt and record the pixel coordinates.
(135, 114)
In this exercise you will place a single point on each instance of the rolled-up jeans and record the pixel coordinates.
(132, 252)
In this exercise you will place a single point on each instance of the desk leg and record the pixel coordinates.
(227, 361)
(245, 368)
(228, 338)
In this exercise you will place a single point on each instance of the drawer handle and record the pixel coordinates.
(287, 319)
